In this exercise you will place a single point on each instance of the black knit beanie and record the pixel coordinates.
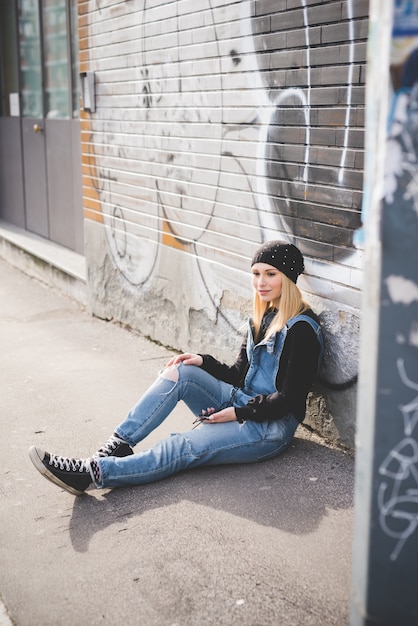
(284, 256)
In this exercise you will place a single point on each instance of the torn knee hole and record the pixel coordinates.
(170, 373)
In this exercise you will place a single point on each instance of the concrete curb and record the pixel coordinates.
(45, 260)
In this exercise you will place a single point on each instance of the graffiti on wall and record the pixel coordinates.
(231, 154)
(285, 191)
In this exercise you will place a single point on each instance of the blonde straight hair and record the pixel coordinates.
(289, 304)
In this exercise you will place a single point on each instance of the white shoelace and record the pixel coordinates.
(69, 465)
(107, 448)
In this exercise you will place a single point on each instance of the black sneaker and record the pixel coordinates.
(70, 474)
(114, 446)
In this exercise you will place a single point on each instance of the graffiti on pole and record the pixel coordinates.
(397, 493)
(397, 500)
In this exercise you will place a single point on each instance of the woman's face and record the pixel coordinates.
(267, 281)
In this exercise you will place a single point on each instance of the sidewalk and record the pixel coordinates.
(260, 545)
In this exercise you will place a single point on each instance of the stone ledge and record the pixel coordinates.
(45, 260)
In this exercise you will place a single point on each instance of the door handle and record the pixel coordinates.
(37, 128)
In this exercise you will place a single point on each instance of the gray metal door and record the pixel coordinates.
(49, 110)
(33, 139)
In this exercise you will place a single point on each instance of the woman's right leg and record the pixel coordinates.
(209, 444)
(189, 383)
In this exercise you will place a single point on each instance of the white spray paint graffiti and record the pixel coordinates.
(271, 219)
(398, 505)
(265, 116)
(349, 89)
(186, 191)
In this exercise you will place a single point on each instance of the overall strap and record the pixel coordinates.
(316, 327)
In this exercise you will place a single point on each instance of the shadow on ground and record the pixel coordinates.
(292, 492)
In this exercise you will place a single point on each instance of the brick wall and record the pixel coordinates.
(220, 125)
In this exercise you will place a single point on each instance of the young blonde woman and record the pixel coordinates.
(248, 411)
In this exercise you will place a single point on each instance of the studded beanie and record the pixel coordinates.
(285, 257)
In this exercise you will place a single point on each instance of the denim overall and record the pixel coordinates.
(264, 359)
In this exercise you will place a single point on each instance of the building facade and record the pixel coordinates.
(206, 129)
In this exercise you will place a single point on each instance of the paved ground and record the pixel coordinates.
(259, 545)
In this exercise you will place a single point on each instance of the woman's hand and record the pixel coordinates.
(226, 415)
(187, 358)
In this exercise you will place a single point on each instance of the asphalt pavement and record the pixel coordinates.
(249, 545)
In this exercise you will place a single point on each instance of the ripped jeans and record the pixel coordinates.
(208, 444)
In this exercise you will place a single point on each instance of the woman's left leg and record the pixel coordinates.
(209, 444)
(191, 384)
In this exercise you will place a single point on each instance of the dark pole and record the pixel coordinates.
(385, 553)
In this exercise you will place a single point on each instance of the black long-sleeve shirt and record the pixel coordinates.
(297, 371)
